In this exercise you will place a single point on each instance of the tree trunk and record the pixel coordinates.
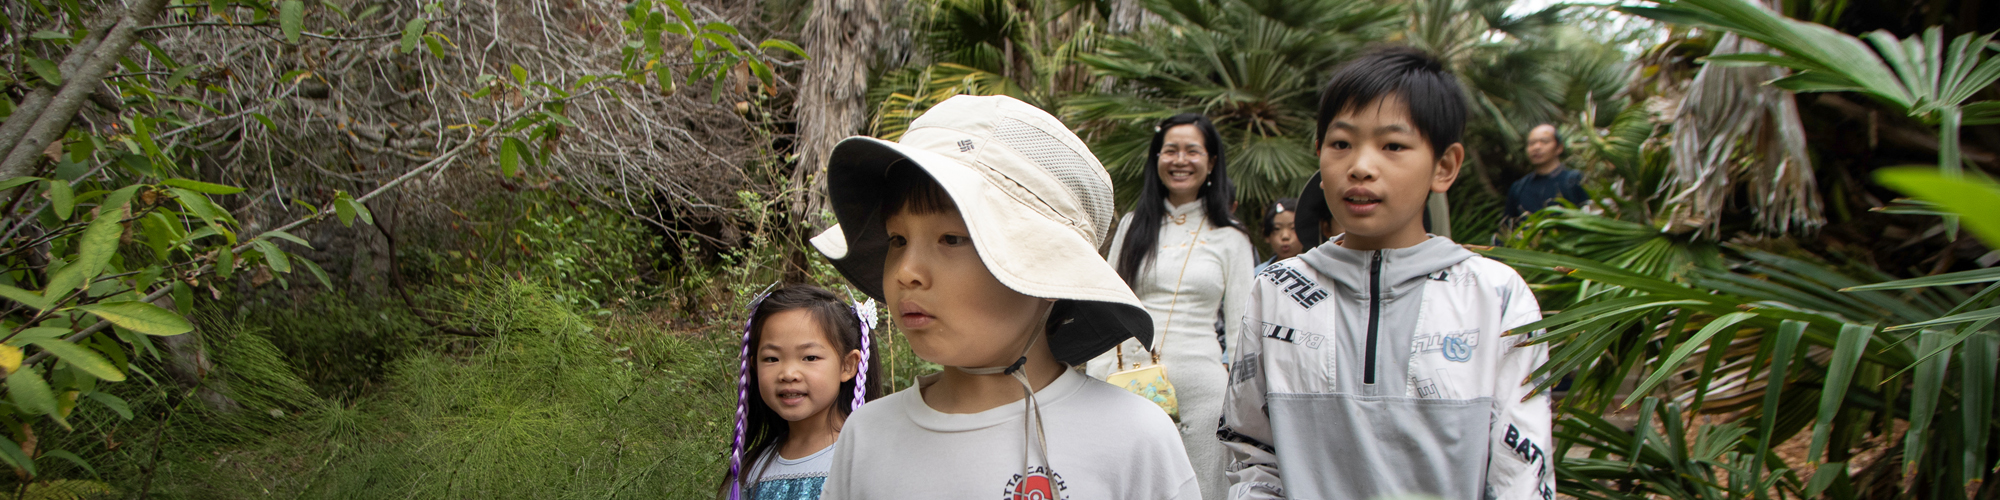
(841, 36)
(1128, 16)
(77, 86)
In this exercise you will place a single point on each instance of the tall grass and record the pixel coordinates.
(543, 409)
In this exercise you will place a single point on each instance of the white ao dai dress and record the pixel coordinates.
(1216, 281)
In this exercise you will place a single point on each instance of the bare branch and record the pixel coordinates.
(55, 119)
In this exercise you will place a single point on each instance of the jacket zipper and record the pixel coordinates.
(1374, 317)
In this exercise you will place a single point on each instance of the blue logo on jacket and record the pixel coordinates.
(1456, 349)
(1456, 346)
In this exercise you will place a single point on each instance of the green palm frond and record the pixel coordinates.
(903, 99)
(1713, 465)
(1270, 167)
(1710, 339)
(1252, 66)
(1026, 49)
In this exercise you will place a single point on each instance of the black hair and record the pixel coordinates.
(763, 428)
(1554, 131)
(911, 189)
(1143, 237)
(1435, 100)
(1278, 206)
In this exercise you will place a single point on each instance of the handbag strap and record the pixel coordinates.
(1175, 304)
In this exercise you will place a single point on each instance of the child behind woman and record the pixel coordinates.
(805, 366)
(1281, 231)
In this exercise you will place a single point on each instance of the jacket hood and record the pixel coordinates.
(1349, 268)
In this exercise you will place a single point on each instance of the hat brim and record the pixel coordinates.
(1028, 251)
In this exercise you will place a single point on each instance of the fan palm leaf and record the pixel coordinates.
(1022, 49)
(1733, 340)
(1252, 66)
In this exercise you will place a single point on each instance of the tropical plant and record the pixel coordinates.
(1674, 462)
(1253, 66)
(1021, 48)
(1630, 227)
(1924, 77)
(1735, 133)
(1518, 71)
(1792, 347)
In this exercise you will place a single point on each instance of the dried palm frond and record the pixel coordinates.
(1732, 128)
(842, 36)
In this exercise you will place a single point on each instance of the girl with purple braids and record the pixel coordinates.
(805, 365)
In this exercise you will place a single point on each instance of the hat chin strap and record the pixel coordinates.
(1032, 421)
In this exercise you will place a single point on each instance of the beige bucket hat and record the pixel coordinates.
(1036, 201)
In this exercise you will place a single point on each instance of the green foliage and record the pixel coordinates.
(1253, 67)
(1627, 228)
(1672, 462)
(340, 343)
(595, 254)
(254, 373)
(1832, 332)
(1976, 198)
(1787, 344)
(65, 489)
(1026, 49)
(551, 405)
(1475, 212)
(544, 383)
(112, 231)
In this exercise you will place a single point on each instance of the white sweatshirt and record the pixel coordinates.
(1104, 443)
(1386, 373)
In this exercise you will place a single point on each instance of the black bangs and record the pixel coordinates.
(1279, 206)
(910, 189)
(1218, 195)
(1435, 101)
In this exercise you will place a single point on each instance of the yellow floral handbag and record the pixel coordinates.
(1151, 382)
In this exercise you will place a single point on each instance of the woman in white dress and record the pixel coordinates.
(1188, 259)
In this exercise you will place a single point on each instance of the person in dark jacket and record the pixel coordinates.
(1550, 179)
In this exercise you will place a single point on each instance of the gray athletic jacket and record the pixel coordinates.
(1367, 374)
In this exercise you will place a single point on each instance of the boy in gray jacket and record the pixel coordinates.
(1379, 364)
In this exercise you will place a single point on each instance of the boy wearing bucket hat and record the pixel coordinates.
(979, 230)
(1379, 364)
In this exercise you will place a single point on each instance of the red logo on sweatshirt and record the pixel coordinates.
(1040, 484)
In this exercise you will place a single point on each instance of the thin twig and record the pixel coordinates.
(281, 97)
(267, 24)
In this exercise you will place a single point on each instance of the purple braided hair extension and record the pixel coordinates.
(743, 399)
(866, 311)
